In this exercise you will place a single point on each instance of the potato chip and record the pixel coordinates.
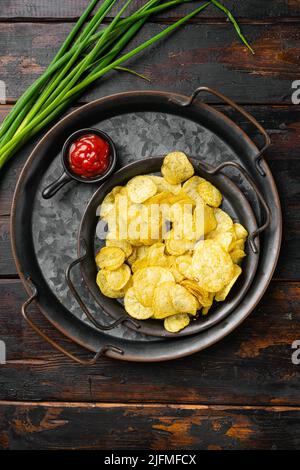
(132, 258)
(145, 225)
(122, 198)
(222, 294)
(237, 245)
(110, 257)
(172, 268)
(151, 232)
(225, 240)
(176, 213)
(156, 255)
(139, 264)
(210, 221)
(175, 323)
(237, 256)
(204, 220)
(191, 284)
(240, 231)
(163, 185)
(142, 251)
(181, 215)
(136, 243)
(210, 194)
(184, 264)
(135, 210)
(178, 247)
(106, 289)
(176, 168)
(205, 310)
(176, 274)
(141, 260)
(162, 304)
(207, 301)
(141, 188)
(117, 217)
(157, 249)
(180, 198)
(204, 297)
(109, 202)
(118, 278)
(134, 308)
(122, 207)
(146, 280)
(190, 188)
(183, 301)
(224, 221)
(123, 244)
(212, 266)
(111, 220)
(159, 198)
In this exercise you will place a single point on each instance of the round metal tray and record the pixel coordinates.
(144, 124)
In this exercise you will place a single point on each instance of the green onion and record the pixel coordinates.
(86, 55)
(234, 22)
(34, 88)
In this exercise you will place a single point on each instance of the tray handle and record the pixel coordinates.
(85, 362)
(239, 109)
(259, 195)
(124, 318)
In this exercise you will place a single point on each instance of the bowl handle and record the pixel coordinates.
(124, 318)
(259, 195)
(56, 185)
(85, 362)
(241, 110)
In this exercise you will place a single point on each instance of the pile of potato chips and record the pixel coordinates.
(170, 250)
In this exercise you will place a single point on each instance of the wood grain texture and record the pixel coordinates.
(12, 170)
(200, 54)
(250, 366)
(7, 265)
(242, 393)
(282, 123)
(103, 426)
(70, 9)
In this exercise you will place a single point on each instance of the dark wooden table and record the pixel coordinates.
(244, 392)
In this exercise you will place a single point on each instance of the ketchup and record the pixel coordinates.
(89, 156)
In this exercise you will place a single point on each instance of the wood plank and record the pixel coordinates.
(7, 265)
(283, 125)
(11, 171)
(68, 9)
(156, 427)
(216, 59)
(252, 366)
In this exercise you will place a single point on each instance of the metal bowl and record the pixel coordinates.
(234, 202)
(68, 175)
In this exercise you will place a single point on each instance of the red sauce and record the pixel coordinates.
(89, 156)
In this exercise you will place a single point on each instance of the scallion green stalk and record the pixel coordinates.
(30, 92)
(86, 55)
